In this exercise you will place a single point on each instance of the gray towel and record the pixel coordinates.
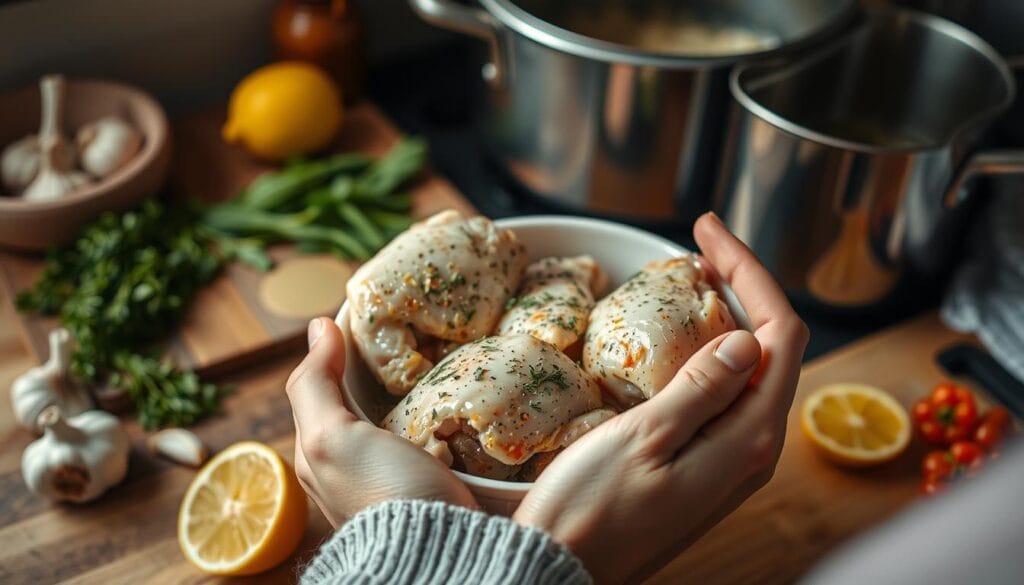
(986, 296)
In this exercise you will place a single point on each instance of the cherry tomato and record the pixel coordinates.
(992, 428)
(967, 454)
(923, 411)
(944, 394)
(947, 415)
(937, 465)
(1000, 415)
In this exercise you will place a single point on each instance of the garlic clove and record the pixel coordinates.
(19, 163)
(179, 445)
(107, 145)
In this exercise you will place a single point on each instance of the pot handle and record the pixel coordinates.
(986, 163)
(474, 22)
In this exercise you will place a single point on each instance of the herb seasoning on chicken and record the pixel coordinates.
(554, 300)
(499, 403)
(446, 278)
(645, 330)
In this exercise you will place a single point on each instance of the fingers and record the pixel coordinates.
(755, 287)
(781, 332)
(704, 387)
(747, 438)
(314, 387)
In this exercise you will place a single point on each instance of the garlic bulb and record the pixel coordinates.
(55, 178)
(49, 385)
(76, 459)
(107, 145)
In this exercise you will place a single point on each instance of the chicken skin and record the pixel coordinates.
(554, 300)
(494, 404)
(445, 279)
(642, 333)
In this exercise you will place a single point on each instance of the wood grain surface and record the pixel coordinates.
(228, 327)
(128, 536)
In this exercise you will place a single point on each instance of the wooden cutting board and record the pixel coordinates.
(229, 326)
(811, 506)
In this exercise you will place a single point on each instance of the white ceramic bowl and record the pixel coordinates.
(620, 250)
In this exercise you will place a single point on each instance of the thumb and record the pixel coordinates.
(704, 387)
(314, 386)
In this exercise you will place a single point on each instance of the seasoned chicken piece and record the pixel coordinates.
(554, 300)
(445, 278)
(642, 333)
(493, 404)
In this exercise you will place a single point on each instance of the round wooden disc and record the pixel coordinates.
(305, 286)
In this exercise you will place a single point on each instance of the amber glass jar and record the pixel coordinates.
(328, 33)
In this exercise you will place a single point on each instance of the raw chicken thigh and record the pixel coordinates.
(494, 404)
(554, 300)
(446, 278)
(642, 333)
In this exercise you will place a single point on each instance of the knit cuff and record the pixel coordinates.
(413, 541)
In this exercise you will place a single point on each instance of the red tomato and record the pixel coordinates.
(992, 428)
(923, 411)
(967, 454)
(947, 415)
(937, 465)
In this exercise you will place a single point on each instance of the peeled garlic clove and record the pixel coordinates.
(107, 145)
(180, 446)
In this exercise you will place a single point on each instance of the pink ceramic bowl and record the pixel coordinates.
(36, 225)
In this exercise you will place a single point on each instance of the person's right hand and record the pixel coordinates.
(633, 493)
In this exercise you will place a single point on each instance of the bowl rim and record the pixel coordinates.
(152, 146)
(672, 248)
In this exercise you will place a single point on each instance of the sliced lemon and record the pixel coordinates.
(244, 513)
(855, 424)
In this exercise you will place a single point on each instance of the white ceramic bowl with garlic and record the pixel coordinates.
(619, 250)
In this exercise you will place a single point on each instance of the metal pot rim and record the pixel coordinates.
(937, 23)
(549, 35)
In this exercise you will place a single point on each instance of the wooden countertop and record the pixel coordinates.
(129, 535)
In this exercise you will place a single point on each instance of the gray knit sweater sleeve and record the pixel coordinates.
(420, 542)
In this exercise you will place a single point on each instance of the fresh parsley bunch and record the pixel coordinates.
(126, 282)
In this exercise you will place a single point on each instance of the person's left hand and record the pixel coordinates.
(346, 464)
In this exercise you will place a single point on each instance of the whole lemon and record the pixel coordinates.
(284, 109)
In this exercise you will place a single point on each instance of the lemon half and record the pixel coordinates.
(244, 512)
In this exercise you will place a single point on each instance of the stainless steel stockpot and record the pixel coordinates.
(849, 166)
(600, 124)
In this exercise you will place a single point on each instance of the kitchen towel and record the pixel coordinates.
(986, 296)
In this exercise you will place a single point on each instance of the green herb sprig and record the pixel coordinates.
(126, 282)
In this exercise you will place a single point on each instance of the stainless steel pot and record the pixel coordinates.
(850, 166)
(587, 109)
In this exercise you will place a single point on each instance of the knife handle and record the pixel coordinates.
(975, 363)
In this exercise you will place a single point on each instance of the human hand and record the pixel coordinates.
(633, 493)
(346, 464)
